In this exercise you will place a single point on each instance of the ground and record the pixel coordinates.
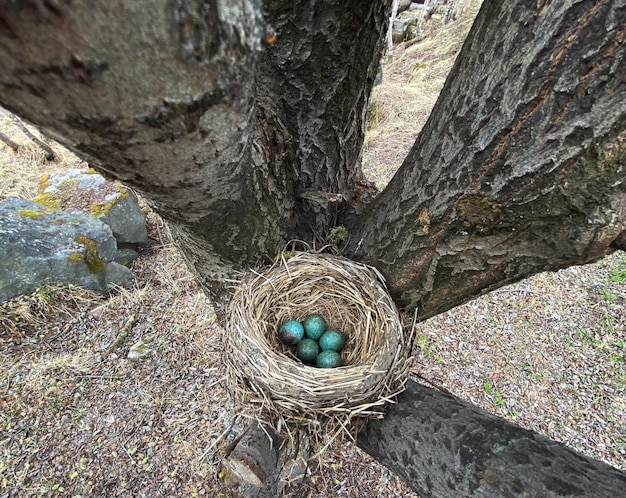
(78, 418)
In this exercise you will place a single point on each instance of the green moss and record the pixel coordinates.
(44, 183)
(224, 473)
(95, 263)
(337, 235)
(49, 201)
(30, 213)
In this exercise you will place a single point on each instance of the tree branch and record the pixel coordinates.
(161, 96)
(520, 167)
(7, 140)
(443, 446)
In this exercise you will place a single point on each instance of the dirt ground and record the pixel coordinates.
(78, 418)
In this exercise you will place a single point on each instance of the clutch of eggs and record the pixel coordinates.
(315, 344)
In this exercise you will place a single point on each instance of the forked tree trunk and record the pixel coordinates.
(242, 148)
(242, 144)
(243, 132)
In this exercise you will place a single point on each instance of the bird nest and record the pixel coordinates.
(273, 383)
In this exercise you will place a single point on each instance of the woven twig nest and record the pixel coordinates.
(352, 297)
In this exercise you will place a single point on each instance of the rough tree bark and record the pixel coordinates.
(443, 446)
(240, 148)
(521, 166)
(137, 88)
(243, 144)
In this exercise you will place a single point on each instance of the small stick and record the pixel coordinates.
(50, 155)
(394, 13)
(9, 142)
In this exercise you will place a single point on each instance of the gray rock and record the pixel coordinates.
(87, 192)
(413, 32)
(403, 5)
(139, 351)
(117, 274)
(398, 30)
(411, 18)
(40, 246)
(401, 25)
(126, 256)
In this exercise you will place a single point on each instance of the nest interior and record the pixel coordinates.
(353, 299)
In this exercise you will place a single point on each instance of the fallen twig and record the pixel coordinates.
(50, 155)
(9, 142)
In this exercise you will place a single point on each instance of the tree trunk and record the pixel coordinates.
(521, 167)
(445, 447)
(137, 89)
(314, 86)
(240, 144)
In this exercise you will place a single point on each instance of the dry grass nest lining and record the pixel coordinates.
(352, 298)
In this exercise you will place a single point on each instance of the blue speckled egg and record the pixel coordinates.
(329, 359)
(332, 340)
(314, 326)
(307, 350)
(291, 332)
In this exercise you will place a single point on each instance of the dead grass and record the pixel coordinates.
(21, 170)
(412, 80)
(78, 418)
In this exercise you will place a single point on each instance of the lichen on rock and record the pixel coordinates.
(87, 192)
(30, 213)
(41, 247)
(95, 263)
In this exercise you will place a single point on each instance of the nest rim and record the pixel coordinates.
(353, 298)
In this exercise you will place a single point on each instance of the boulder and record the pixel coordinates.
(399, 29)
(410, 18)
(416, 6)
(39, 246)
(85, 191)
(401, 26)
(403, 5)
(413, 33)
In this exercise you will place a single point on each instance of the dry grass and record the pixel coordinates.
(20, 171)
(77, 417)
(548, 353)
(273, 385)
(412, 80)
